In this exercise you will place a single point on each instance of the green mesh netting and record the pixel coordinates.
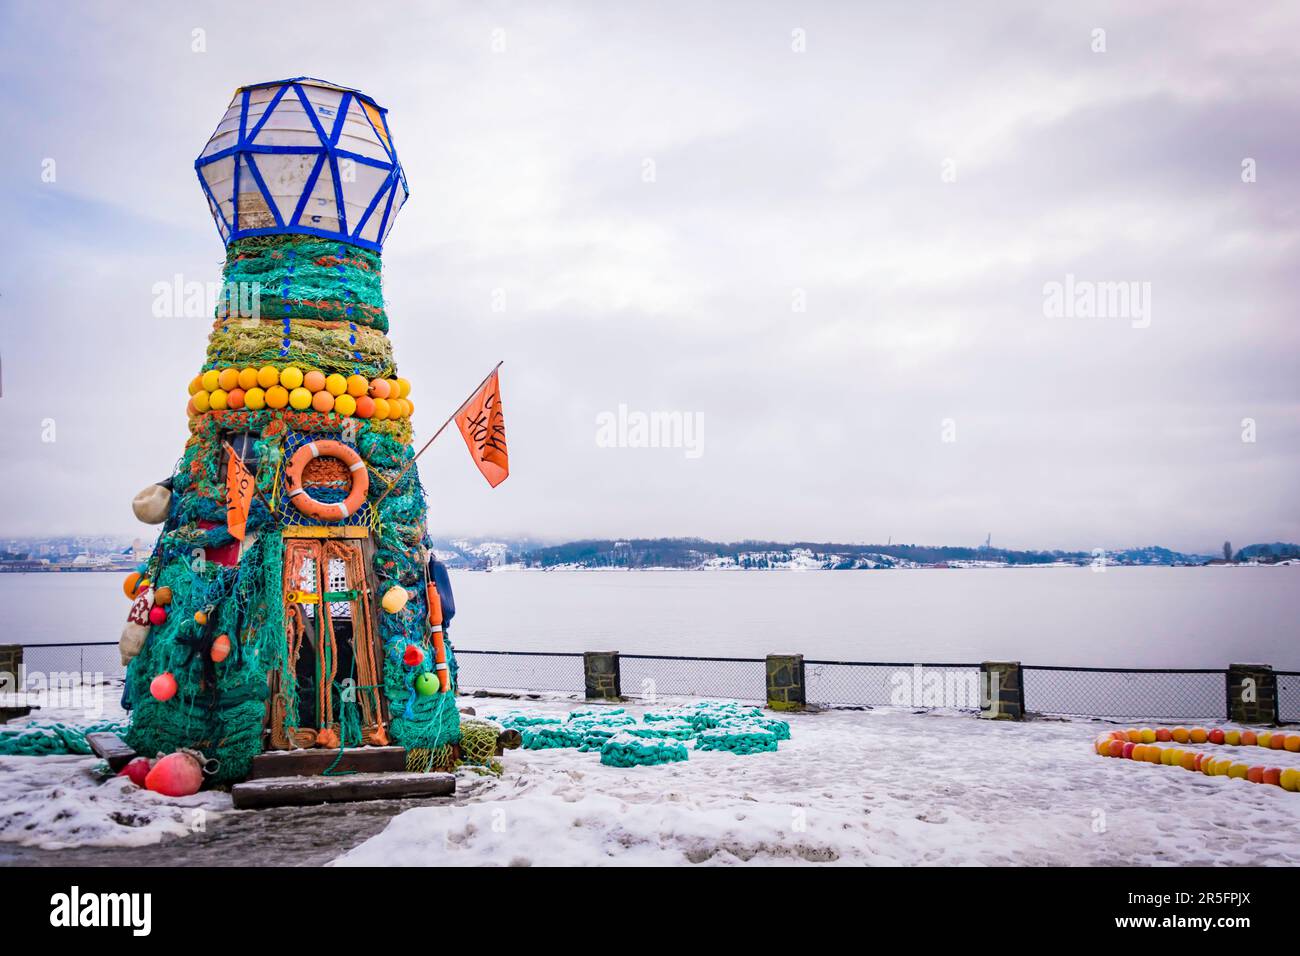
(737, 739)
(220, 709)
(52, 739)
(627, 750)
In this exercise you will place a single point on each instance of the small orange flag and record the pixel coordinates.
(484, 429)
(239, 494)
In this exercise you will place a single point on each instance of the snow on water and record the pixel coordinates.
(860, 787)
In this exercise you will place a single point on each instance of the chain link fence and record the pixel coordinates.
(1155, 694)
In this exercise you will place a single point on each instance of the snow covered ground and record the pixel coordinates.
(860, 787)
(850, 787)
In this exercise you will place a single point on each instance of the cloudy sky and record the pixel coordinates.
(824, 230)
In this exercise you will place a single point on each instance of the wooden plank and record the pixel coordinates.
(307, 791)
(112, 748)
(313, 762)
(326, 531)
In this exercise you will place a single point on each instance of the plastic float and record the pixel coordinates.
(1139, 744)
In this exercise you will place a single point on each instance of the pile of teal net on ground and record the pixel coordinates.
(662, 736)
(51, 739)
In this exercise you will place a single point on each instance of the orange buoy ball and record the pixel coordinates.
(1118, 735)
(1188, 760)
(200, 617)
(365, 405)
(322, 401)
(345, 404)
(1232, 738)
(1238, 771)
(247, 378)
(190, 410)
(1147, 735)
(228, 378)
(357, 385)
(379, 388)
(313, 381)
(217, 400)
(336, 384)
(267, 376)
(1181, 735)
(1255, 774)
(1198, 735)
(1163, 735)
(277, 397)
(255, 398)
(1290, 779)
(175, 775)
(410, 408)
(1138, 752)
(1248, 738)
(291, 377)
(404, 386)
(131, 584)
(1277, 742)
(1157, 755)
(163, 687)
(1292, 744)
(235, 399)
(196, 384)
(1128, 750)
(1116, 748)
(381, 409)
(1263, 737)
(1199, 761)
(1216, 736)
(211, 380)
(1101, 745)
(1272, 775)
(162, 596)
(405, 410)
(300, 398)
(1133, 735)
(220, 648)
(200, 401)
(1207, 765)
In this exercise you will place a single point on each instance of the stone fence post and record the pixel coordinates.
(600, 674)
(1252, 694)
(1002, 690)
(785, 682)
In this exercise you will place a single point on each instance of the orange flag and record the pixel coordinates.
(484, 429)
(239, 494)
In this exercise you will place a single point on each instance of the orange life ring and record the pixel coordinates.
(322, 510)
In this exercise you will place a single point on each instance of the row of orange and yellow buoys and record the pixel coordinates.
(290, 387)
(1120, 743)
(1273, 740)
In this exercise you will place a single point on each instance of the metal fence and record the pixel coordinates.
(1155, 694)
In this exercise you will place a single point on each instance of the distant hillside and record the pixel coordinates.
(697, 553)
(1268, 553)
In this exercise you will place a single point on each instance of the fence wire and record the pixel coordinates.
(1067, 691)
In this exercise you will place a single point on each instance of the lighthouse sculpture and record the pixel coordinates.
(287, 602)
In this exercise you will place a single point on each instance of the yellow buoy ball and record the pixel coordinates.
(196, 384)
(1167, 755)
(336, 384)
(404, 388)
(291, 377)
(1238, 771)
(228, 379)
(247, 378)
(357, 385)
(322, 401)
(276, 397)
(313, 381)
(381, 409)
(1232, 738)
(300, 398)
(1199, 735)
(1290, 779)
(211, 380)
(255, 398)
(200, 401)
(345, 404)
(394, 599)
(1264, 738)
(267, 376)
(217, 400)
(1147, 735)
